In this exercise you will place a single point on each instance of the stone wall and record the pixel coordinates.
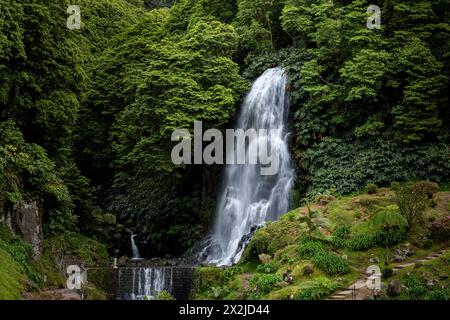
(181, 282)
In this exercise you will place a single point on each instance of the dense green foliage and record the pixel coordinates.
(86, 116)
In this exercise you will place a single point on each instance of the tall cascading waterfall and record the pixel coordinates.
(248, 199)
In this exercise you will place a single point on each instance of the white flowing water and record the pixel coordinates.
(146, 283)
(134, 249)
(249, 199)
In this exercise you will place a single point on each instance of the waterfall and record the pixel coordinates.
(134, 249)
(145, 283)
(248, 199)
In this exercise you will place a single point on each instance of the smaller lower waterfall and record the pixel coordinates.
(145, 283)
(134, 248)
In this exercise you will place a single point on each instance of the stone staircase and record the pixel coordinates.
(351, 293)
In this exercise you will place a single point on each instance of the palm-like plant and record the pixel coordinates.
(387, 219)
(313, 221)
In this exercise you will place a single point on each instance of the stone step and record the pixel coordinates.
(338, 297)
(344, 293)
(402, 266)
(358, 285)
(422, 260)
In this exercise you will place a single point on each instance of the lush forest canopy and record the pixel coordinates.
(86, 115)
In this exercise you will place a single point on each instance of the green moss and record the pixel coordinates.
(288, 255)
(210, 276)
(275, 236)
(287, 293)
(94, 293)
(164, 295)
(91, 251)
(264, 283)
(47, 267)
(5, 234)
(316, 289)
(12, 280)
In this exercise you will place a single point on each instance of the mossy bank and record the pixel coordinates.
(316, 250)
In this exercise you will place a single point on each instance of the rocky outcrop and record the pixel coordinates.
(25, 220)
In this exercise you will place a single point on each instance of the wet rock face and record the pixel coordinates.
(26, 221)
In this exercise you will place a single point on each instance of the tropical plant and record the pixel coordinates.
(264, 282)
(388, 219)
(330, 263)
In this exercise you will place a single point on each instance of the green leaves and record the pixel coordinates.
(26, 171)
(388, 218)
(337, 164)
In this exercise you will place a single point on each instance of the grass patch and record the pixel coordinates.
(12, 280)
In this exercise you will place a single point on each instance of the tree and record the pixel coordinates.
(412, 204)
(313, 221)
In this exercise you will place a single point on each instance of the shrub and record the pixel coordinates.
(342, 232)
(339, 237)
(440, 229)
(5, 233)
(269, 267)
(416, 287)
(395, 185)
(425, 187)
(164, 295)
(309, 248)
(371, 188)
(412, 205)
(338, 243)
(90, 250)
(387, 272)
(264, 283)
(317, 289)
(438, 294)
(337, 163)
(389, 237)
(361, 242)
(209, 276)
(21, 252)
(330, 263)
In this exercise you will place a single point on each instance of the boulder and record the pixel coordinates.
(289, 279)
(394, 288)
(308, 269)
(324, 199)
(264, 258)
(374, 260)
(430, 284)
(26, 222)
